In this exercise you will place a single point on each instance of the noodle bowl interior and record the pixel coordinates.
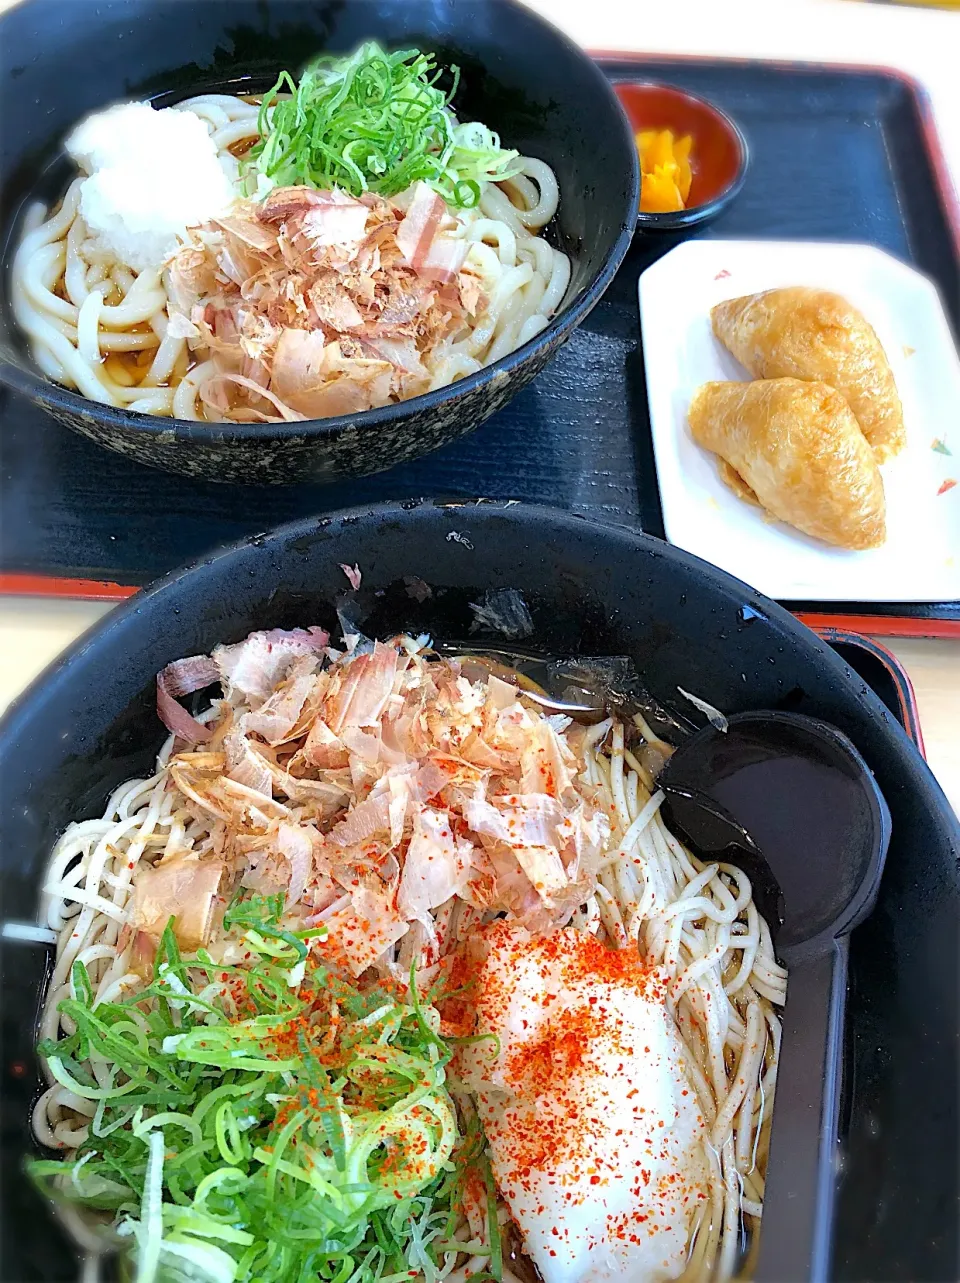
(384, 973)
(341, 244)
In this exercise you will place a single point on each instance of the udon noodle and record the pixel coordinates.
(696, 921)
(98, 327)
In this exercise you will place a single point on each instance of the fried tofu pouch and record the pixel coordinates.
(803, 333)
(797, 447)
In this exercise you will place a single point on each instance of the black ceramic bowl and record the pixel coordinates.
(891, 1168)
(60, 59)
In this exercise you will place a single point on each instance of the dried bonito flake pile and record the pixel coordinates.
(371, 786)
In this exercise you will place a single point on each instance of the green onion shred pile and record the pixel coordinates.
(373, 121)
(264, 1124)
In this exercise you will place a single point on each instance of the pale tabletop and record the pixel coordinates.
(923, 43)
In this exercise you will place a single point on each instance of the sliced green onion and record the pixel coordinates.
(59, 1071)
(374, 121)
(493, 1225)
(313, 1140)
(151, 1212)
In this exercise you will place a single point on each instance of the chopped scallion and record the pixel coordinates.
(374, 121)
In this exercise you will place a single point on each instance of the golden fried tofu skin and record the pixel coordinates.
(798, 448)
(811, 334)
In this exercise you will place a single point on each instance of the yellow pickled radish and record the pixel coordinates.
(659, 193)
(660, 151)
(665, 170)
(682, 155)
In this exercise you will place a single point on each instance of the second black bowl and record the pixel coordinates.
(890, 1169)
(518, 74)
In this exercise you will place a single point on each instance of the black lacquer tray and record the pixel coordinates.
(837, 154)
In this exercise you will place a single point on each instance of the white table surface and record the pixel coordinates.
(924, 43)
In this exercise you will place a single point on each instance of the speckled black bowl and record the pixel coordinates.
(877, 1154)
(60, 59)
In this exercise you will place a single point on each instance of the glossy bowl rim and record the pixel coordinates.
(676, 220)
(53, 398)
(523, 515)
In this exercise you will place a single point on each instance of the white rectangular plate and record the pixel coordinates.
(920, 560)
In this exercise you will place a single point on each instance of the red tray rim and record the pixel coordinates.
(38, 585)
(906, 695)
(13, 584)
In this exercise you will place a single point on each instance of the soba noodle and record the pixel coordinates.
(697, 921)
(82, 309)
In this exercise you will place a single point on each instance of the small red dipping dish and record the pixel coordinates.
(718, 158)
